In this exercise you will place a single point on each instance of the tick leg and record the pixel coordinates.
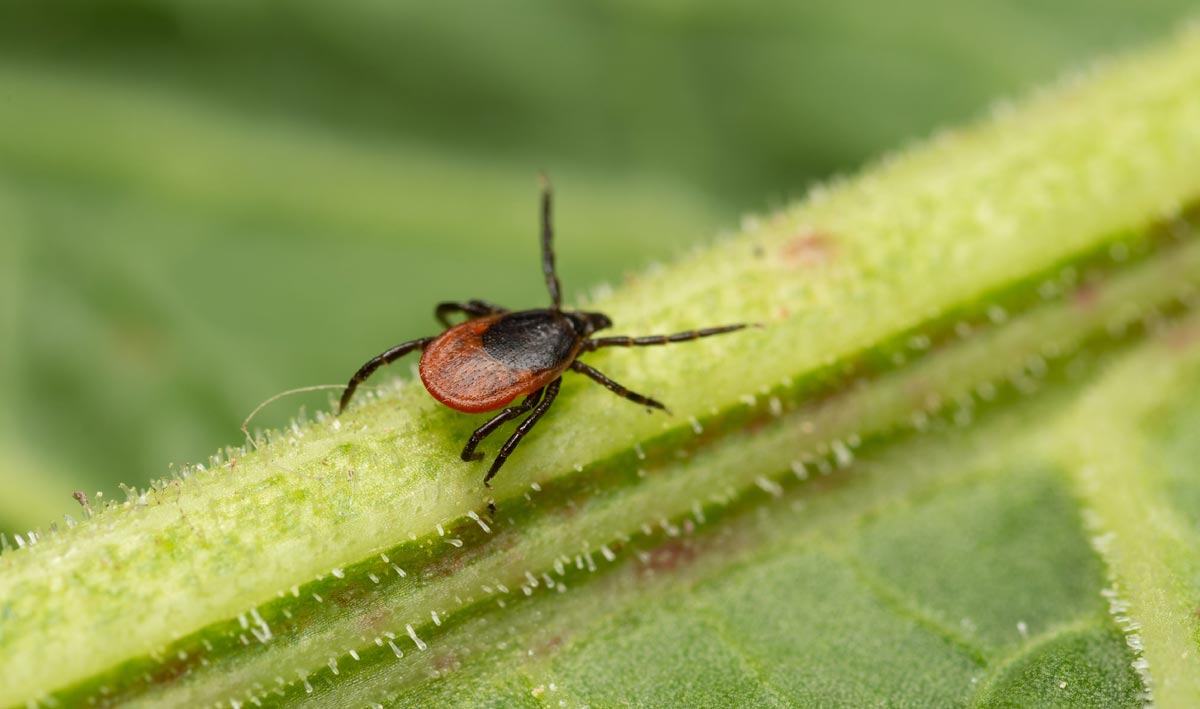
(375, 363)
(468, 452)
(547, 247)
(659, 339)
(473, 309)
(614, 387)
(509, 445)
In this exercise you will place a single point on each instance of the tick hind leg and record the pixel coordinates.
(468, 452)
(375, 363)
(551, 391)
(614, 387)
(473, 309)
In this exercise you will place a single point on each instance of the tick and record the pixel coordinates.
(495, 356)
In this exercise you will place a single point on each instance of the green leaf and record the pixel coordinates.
(883, 495)
(1131, 444)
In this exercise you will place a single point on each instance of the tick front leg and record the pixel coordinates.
(473, 309)
(614, 387)
(468, 452)
(548, 269)
(599, 342)
(375, 363)
(511, 444)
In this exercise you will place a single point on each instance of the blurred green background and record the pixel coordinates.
(203, 203)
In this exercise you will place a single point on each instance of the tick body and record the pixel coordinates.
(483, 364)
(497, 356)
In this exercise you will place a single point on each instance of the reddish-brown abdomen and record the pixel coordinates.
(457, 370)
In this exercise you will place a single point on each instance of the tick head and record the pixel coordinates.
(587, 323)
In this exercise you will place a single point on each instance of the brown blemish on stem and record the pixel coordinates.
(448, 662)
(347, 595)
(551, 646)
(379, 619)
(1085, 297)
(670, 556)
(1181, 338)
(173, 669)
(807, 249)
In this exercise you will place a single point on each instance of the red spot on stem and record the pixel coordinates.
(808, 249)
(670, 556)
(1182, 337)
(1084, 297)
